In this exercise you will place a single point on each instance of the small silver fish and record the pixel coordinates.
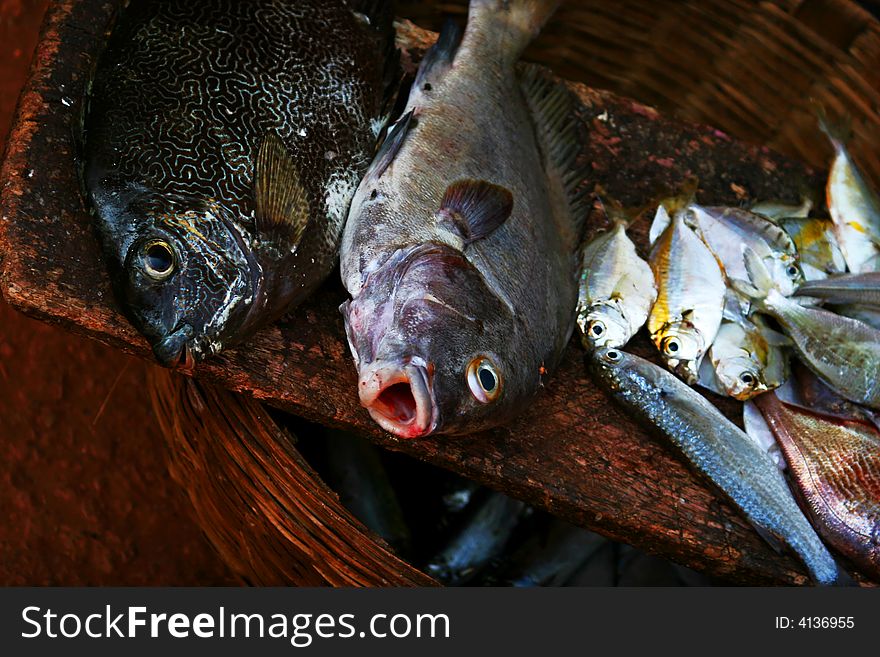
(844, 352)
(718, 449)
(817, 247)
(690, 296)
(617, 289)
(748, 358)
(727, 230)
(861, 289)
(776, 211)
(853, 205)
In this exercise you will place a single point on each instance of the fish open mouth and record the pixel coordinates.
(398, 398)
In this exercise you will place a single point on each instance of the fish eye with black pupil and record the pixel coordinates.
(748, 378)
(792, 271)
(158, 260)
(671, 346)
(597, 328)
(612, 355)
(483, 380)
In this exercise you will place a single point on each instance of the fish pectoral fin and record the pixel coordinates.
(391, 145)
(475, 208)
(281, 202)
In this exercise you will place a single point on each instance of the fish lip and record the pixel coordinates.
(688, 370)
(174, 351)
(379, 378)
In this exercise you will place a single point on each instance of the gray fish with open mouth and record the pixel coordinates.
(718, 449)
(460, 252)
(223, 143)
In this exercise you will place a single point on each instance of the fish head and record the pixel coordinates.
(603, 325)
(610, 363)
(787, 274)
(741, 376)
(682, 346)
(184, 275)
(432, 345)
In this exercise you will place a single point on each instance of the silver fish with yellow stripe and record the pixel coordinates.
(853, 205)
(616, 291)
(690, 296)
(726, 231)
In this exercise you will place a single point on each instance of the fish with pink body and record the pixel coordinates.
(460, 252)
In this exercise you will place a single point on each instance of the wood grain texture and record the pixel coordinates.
(572, 451)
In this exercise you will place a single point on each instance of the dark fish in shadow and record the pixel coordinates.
(223, 143)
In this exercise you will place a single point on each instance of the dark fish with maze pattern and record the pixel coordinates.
(224, 141)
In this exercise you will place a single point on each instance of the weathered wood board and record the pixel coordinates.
(573, 452)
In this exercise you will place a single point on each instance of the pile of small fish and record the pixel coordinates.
(730, 297)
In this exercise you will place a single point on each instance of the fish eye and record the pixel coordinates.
(597, 328)
(158, 260)
(792, 271)
(483, 380)
(612, 355)
(671, 346)
(748, 378)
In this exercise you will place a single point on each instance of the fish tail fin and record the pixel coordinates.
(517, 22)
(839, 131)
(685, 196)
(668, 206)
(552, 109)
(611, 208)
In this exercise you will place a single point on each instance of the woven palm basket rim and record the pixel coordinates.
(755, 70)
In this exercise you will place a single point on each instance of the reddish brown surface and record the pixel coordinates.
(84, 487)
(572, 452)
(262, 506)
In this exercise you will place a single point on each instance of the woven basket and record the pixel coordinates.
(748, 68)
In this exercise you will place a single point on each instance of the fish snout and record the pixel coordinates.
(688, 370)
(174, 350)
(398, 398)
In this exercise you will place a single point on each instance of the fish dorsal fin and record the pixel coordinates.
(553, 112)
(439, 57)
(281, 202)
(391, 145)
(475, 208)
(659, 225)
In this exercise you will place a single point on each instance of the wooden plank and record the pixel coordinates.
(572, 452)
